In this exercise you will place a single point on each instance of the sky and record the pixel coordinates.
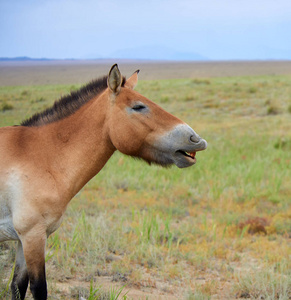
(146, 29)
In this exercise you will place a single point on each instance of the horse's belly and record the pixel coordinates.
(7, 231)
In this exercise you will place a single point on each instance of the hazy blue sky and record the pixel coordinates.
(215, 29)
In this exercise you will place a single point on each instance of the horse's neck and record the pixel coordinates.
(80, 145)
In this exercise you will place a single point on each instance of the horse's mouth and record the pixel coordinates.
(188, 158)
(188, 154)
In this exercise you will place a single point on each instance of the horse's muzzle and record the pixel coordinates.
(181, 144)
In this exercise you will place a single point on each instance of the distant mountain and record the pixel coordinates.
(23, 58)
(139, 53)
(156, 53)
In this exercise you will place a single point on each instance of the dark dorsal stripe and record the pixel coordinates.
(69, 104)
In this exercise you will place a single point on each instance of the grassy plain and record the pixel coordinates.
(218, 230)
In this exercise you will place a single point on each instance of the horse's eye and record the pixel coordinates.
(139, 107)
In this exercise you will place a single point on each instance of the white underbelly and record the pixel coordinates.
(7, 231)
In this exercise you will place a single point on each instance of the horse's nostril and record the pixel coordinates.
(194, 138)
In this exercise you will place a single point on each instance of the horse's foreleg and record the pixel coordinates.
(20, 279)
(34, 252)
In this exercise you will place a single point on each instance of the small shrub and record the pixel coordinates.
(253, 285)
(283, 143)
(255, 225)
(6, 106)
(252, 90)
(73, 88)
(41, 99)
(289, 109)
(25, 93)
(97, 293)
(200, 81)
(272, 110)
(164, 99)
(189, 98)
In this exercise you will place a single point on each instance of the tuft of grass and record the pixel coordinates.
(189, 97)
(164, 99)
(200, 81)
(272, 110)
(25, 93)
(252, 90)
(98, 293)
(283, 143)
(6, 106)
(263, 284)
(196, 295)
(73, 88)
(40, 99)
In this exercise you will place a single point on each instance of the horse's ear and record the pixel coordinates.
(131, 82)
(114, 80)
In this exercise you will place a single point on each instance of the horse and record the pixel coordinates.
(48, 158)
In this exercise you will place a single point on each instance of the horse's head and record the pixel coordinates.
(140, 128)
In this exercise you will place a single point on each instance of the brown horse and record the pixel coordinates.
(51, 156)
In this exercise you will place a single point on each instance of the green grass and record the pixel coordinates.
(221, 227)
(97, 293)
(264, 285)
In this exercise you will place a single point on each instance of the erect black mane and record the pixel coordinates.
(69, 104)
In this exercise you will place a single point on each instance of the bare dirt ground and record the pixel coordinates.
(79, 72)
